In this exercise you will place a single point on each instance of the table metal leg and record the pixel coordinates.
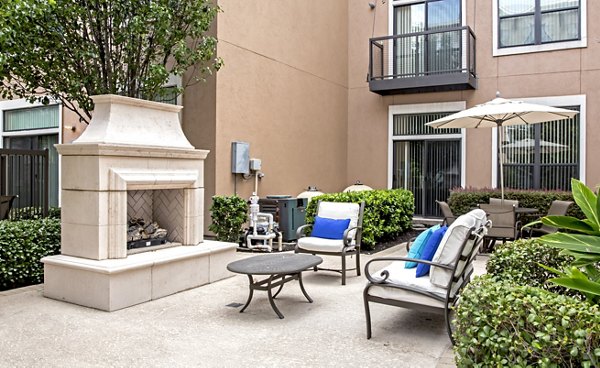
(271, 298)
(278, 291)
(302, 287)
(251, 287)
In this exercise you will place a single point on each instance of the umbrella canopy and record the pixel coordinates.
(502, 112)
(528, 144)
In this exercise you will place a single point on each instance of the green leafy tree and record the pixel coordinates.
(581, 241)
(69, 50)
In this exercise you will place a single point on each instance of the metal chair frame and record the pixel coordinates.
(348, 249)
(451, 298)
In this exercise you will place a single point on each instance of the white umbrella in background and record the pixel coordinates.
(502, 112)
(528, 144)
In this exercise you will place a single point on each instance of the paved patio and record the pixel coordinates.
(197, 328)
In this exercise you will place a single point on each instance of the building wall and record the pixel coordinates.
(283, 89)
(542, 74)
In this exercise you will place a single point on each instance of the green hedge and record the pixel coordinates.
(33, 213)
(462, 201)
(503, 324)
(518, 262)
(22, 245)
(388, 213)
(228, 214)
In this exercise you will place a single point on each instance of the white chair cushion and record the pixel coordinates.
(321, 244)
(407, 277)
(450, 245)
(341, 211)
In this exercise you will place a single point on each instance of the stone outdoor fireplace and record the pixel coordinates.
(132, 162)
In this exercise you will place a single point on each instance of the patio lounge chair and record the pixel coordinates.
(498, 201)
(504, 224)
(345, 244)
(447, 212)
(557, 208)
(438, 292)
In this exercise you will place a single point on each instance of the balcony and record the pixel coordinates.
(429, 61)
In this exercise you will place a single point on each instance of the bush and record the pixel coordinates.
(228, 214)
(22, 245)
(462, 201)
(388, 213)
(503, 324)
(33, 213)
(518, 262)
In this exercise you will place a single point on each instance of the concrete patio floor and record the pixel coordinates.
(197, 328)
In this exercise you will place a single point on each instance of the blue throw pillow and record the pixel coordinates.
(416, 249)
(329, 228)
(432, 245)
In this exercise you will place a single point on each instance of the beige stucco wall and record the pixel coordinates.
(283, 89)
(555, 73)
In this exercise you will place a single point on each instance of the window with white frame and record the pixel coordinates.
(544, 156)
(27, 127)
(538, 25)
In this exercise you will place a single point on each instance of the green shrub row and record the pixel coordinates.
(503, 324)
(519, 262)
(388, 213)
(462, 201)
(228, 214)
(22, 245)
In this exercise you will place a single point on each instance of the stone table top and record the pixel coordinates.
(273, 264)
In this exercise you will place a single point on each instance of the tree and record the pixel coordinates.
(69, 50)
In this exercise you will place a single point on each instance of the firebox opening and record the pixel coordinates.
(155, 219)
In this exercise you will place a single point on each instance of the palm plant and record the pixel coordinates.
(581, 240)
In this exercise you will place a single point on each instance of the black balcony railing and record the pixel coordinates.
(438, 60)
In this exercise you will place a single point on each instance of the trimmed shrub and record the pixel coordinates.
(462, 201)
(33, 213)
(388, 213)
(22, 245)
(519, 262)
(503, 324)
(228, 214)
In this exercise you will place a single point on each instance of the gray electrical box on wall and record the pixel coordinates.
(240, 158)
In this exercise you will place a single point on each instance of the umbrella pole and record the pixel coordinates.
(500, 159)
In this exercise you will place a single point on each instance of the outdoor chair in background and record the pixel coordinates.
(557, 208)
(337, 231)
(438, 292)
(6, 203)
(498, 201)
(446, 212)
(504, 224)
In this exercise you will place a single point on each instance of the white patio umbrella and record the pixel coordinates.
(502, 112)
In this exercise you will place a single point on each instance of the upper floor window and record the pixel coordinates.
(534, 22)
(539, 25)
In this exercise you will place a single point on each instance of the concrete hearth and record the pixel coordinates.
(130, 145)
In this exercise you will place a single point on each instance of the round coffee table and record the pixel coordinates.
(280, 268)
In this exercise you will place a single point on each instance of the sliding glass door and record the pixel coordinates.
(425, 51)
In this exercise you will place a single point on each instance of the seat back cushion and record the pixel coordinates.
(340, 211)
(329, 228)
(416, 249)
(429, 251)
(447, 252)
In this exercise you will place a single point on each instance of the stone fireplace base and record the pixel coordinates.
(113, 284)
